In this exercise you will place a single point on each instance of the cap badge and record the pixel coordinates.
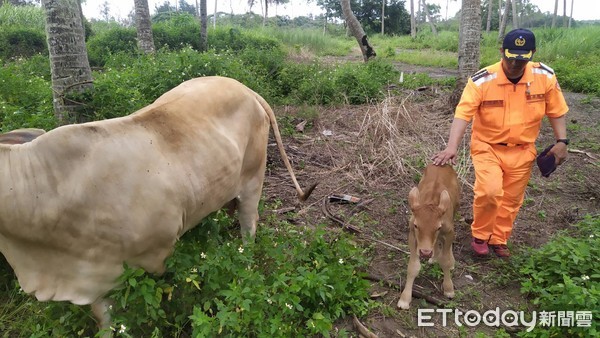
(520, 41)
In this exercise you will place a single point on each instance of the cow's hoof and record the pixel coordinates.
(403, 305)
(449, 294)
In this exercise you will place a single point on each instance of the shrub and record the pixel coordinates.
(564, 275)
(26, 95)
(101, 46)
(292, 282)
(21, 42)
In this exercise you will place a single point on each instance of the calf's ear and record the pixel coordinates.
(413, 198)
(444, 201)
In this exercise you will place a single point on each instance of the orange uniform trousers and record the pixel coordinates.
(501, 177)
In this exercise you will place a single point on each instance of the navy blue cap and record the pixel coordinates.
(519, 44)
(546, 163)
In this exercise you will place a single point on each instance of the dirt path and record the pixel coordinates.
(376, 152)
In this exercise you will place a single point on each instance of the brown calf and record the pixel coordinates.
(431, 225)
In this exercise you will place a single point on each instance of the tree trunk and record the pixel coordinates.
(203, 27)
(69, 65)
(564, 13)
(470, 31)
(433, 29)
(571, 16)
(383, 17)
(266, 12)
(413, 21)
(555, 13)
(215, 16)
(499, 12)
(357, 31)
(488, 26)
(502, 28)
(145, 39)
(514, 14)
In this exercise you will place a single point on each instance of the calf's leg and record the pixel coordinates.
(414, 266)
(446, 261)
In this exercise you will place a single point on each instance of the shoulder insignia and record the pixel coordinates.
(482, 77)
(546, 68)
(542, 69)
(481, 73)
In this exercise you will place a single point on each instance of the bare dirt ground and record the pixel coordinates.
(376, 153)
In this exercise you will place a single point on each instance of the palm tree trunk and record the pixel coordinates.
(502, 28)
(383, 17)
(431, 23)
(564, 13)
(488, 26)
(69, 65)
(571, 16)
(143, 24)
(515, 17)
(413, 21)
(203, 26)
(469, 40)
(357, 31)
(555, 13)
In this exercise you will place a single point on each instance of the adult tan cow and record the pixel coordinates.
(20, 136)
(78, 201)
(431, 226)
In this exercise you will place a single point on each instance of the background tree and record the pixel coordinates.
(555, 13)
(357, 31)
(469, 39)
(571, 16)
(490, 8)
(368, 13)
(413, 21)
(429, 17)
(69, 65)
(564, 13)
(143, 24)
(502, 28)
(203, 24)
(515, 17)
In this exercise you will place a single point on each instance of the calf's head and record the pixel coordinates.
(426, 220)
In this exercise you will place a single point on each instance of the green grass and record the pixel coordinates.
(22, 16)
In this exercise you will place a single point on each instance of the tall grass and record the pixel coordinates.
(314, 39)
(22, 16)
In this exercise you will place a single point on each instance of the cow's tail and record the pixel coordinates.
(302, 195)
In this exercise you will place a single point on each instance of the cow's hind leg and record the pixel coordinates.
(248, 207)
(100, 309)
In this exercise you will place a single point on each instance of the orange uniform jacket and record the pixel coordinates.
(504, 112)
(504, 115)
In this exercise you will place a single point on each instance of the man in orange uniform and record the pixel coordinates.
(506, 102)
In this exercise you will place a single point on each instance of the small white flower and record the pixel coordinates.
(269, 301)
(289, 306)
(194, 270)
(122, 329)
(202, 255)
(241, 250)
(341, 261)
(584, 277)
(591, 236)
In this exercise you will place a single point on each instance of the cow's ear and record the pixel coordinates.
(413, 198)
(444, 201)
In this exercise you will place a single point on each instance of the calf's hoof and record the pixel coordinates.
(404, 305)
(449, 294)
